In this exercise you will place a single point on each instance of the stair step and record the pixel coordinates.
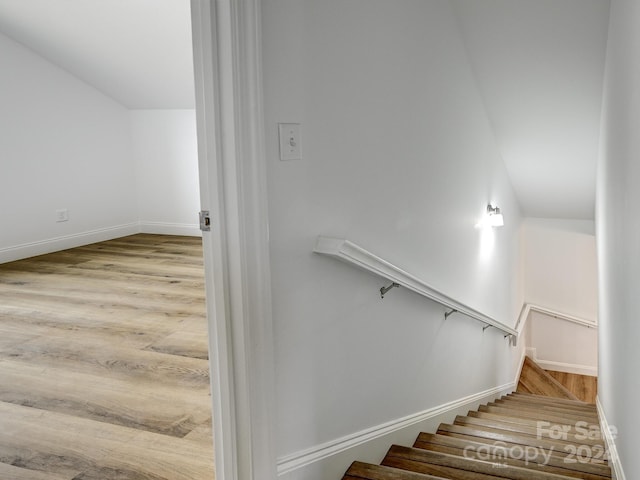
(542, 432)
(542, 415)
(459, 468)
(551, 402)
(531, 409)
(593, 433)
(588, 471)
(590, 453)
(538, 381)
(534, 459)
(601, 466)
(544, 399)
(367, 471)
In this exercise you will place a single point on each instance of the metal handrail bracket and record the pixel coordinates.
(353, 254)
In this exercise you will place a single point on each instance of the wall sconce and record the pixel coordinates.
(494, 217)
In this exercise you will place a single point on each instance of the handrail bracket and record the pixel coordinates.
(450, 312)
(384, 290)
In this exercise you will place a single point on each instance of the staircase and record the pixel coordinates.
(520, 436)
(534, 379)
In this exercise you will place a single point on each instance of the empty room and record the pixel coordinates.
(104, 369)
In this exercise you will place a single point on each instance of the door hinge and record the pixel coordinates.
(205, 221)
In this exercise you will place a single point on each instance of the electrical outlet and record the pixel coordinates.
(62, 215)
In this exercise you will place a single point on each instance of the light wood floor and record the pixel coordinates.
(582, 386)
(103, 363)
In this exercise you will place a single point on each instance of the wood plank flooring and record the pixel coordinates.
(585, 387)
(104, 363)
(534, 379)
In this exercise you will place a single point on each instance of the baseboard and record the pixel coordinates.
(610, 443)
(331, 459)
(562, 367)
(165, 228)
(26, 250)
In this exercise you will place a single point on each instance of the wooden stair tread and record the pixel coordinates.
(367, 471)
(473, 436)
(542, 416)
(576, 407)
(542, 432)
(551, 457)
(534, 410)
(542, 398)
(538, 381)
(535, 460)
(505, 436)
(591, 431)
(415, 459)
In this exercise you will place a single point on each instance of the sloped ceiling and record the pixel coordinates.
(539, 65)
(138, 52)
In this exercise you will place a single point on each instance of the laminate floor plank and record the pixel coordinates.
(102, 357)
(133, 301)
(81, 285)
(154, 408)
(203, 433)
(185, 343)
(125, 330)
(11, 472)
(103, 363)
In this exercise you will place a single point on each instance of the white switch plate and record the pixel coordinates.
(62, 215)
(290, 141)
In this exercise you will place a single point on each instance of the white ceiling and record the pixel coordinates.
(539, 65)
(138, 52)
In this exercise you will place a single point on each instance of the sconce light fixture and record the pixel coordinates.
(494, 217)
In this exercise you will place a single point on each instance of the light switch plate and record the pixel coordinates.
(290, 141)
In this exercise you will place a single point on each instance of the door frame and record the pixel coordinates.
(233, 186)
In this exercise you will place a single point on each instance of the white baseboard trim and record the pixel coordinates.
(303, 458)
(561, 366)
(165, 228)
(610, 443)
(26, 250)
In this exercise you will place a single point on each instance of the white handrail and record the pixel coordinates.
(529, 307)
(351, 253)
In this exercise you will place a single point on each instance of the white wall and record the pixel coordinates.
(65, 145)
(560, 274)
(560, 266)
(165, 152)
(618, 233)
(62, 145)
(399, 157)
